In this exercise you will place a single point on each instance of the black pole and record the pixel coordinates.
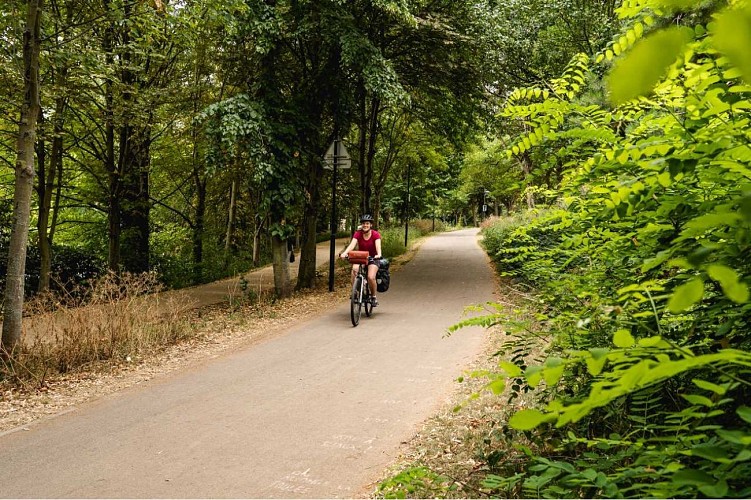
(406, 214)
(433, 229)
(332, 250)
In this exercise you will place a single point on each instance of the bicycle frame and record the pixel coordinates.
(360, 295)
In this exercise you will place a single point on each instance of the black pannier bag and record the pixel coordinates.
(383, 278)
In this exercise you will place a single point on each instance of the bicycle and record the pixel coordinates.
(360, 297)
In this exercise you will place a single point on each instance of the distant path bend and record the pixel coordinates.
(315, 412)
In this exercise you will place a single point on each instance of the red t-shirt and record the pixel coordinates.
(369, 244)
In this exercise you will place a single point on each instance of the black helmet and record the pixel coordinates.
(366, 218)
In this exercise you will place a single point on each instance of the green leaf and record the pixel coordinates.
(533, 375)
(686, 295)
(731, 34)
(510, 368)
(553, 375)
(655, 341)
(528, 419)
(679, 5)
(595, 366)
(731, 285)
(623, 339)
(710, 452)
(703, 384)
(497, 386)
(736, 437)
(717, 490)
(692, 477)
(745, 413)
(642, 68)
(698, 400)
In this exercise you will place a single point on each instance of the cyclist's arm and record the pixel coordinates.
(351, 246)
(378, 249)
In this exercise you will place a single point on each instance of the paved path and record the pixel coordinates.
(315, 412)
(259, 280)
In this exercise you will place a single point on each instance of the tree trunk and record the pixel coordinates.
(362, 142)
(113, 200)
(198, 229)
(367, 193)
(135, 204)
(44, 197)
(526, 162)
(228, 246)
(279, 252)
(199, 180)
(46, 188)
(24, 182)
(306, 275)
(257, 241)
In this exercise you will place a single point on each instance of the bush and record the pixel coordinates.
(71, 267)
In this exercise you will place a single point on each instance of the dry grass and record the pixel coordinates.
(118, 317)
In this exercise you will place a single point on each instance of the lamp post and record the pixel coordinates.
(332, 249)
(485, 193)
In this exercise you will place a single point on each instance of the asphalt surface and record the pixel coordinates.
(317, 411)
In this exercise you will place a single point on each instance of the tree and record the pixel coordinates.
(14, 287)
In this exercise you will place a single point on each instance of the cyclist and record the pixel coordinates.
(366, 239)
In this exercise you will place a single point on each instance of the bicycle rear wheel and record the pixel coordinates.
(355, 306)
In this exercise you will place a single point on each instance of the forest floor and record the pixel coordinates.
(454, 444)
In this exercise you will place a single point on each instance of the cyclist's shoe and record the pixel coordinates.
(374, 301)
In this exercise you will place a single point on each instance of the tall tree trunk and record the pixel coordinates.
(367, 193)
(199, 179)
(257, 241)
(110, 165)
(306, 275)
(362, 142)
(48, 178)
(135, 204)
(229, 236)
(24, 182)
(134, 162)
(198, 229)
(280, 254)
(44, 197)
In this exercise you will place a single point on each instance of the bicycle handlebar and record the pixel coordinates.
(370, 259)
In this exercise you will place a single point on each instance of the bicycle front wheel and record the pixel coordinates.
(355, 306)
(366, 301)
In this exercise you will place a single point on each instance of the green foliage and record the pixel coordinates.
(731, 33)
(639, 271)
(392, 238)
(646, 64)
(407, 482)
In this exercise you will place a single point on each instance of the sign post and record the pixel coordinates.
(336, 157)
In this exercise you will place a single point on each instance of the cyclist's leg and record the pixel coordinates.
(356, 300)
(372, 271)
(355, 269)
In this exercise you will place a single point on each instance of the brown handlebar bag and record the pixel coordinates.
(358, 257)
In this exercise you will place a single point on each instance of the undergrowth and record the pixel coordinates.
(113, 319)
